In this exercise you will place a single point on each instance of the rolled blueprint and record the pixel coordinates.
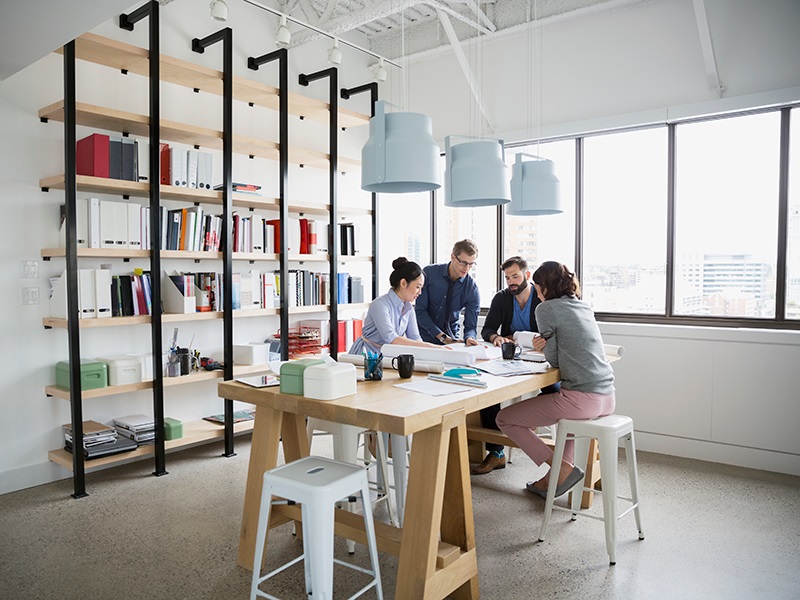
(614, 350)
(436, 355)
(423, 366)
(525, 338)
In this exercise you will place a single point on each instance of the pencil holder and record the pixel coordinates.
(373, 368)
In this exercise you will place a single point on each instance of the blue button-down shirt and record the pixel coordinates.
(432, 303)
(388, 317)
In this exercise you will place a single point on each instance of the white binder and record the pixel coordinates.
(257, 233)
(58, 298)
(108, 228)
(142, 160)
(192, 159)
(134, 226)
(205, 171)
(86, 293)
(102, 291)
(121, 225)
(81, 225)
(93, 223)
(178, 167)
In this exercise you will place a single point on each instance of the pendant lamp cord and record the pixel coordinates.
(541, 75)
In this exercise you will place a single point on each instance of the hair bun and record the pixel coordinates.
(399, 262)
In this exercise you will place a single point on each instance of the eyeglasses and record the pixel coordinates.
(468, 265)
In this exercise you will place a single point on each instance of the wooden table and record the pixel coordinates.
(436, 548)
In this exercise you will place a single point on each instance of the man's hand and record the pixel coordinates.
(471, 342)
(539, 343)
(499, 340)
(446, 339)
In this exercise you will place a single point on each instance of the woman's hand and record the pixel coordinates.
(539, 343)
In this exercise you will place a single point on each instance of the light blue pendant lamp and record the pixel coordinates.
(476, 173)
(535, 189)
(400, 155)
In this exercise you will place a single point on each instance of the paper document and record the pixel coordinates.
(432, 388)
(512, 367)
(479, 352)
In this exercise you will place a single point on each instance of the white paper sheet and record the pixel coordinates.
(433, 388)
(505, 368)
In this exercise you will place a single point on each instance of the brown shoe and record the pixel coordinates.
(490, 463)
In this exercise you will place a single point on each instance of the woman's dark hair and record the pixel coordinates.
(555, 280)
(403, 269)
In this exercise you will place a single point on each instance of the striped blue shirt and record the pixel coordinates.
(388, 317)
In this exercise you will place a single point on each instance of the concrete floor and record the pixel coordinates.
(712, 531)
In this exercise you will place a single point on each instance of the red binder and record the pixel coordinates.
(165, 164)
(92, 155)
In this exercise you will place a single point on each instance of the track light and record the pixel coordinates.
(334, 54)
(378, 70)
(282, 35)
(219, 10)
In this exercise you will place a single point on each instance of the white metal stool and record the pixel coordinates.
(345, 449)
(317, 484)
(607, 431)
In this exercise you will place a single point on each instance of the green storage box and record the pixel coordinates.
(94, 374)
(292, 374)
(173, 429)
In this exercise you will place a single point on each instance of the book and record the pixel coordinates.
(92, 155)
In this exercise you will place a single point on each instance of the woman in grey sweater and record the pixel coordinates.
(571, 341)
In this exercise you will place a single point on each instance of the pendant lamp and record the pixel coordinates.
(400, 155)
(535, 189)
(476, 173)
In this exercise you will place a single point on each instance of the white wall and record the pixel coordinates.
(614, 63)
(32, 150)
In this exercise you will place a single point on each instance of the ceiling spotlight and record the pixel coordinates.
(378, 69)
(219, 10)
(334, 54)
(282, 35)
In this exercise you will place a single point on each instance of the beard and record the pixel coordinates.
(516, 291)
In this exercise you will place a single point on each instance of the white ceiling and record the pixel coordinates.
(30, 30)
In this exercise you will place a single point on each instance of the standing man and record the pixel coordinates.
(513, 309)
(448, 290)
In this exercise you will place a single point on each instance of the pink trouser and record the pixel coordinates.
(519, 420)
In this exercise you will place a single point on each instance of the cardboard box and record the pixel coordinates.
(329, 381)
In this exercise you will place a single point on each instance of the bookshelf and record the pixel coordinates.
(132, 59)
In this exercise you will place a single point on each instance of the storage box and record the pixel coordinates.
(292, 374)
(123, 369)
(94, 374)
(329, 381)
(254, 353)
(173, 429)
(146, 360)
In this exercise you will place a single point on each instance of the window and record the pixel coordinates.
(726, 216)
(404, 227)
(549, 237)
(625, 222)
(793, 249)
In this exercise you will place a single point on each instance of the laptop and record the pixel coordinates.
(533, 356)
(121, 444)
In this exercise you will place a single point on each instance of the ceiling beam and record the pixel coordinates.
(464, 63)
(480, 14)
(707, 46)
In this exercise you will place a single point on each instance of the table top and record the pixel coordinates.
(380, 406)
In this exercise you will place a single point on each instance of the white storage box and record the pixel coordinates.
(146, 360)
(329, 381)
(123, 369)
(254, 353)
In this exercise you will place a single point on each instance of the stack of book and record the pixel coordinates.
(139, 428)
(98, 440)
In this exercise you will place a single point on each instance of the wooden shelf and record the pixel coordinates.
(170, 254)
(58, 323)
(118, 55)
(194, 432)
(356, 258)
(110, 119)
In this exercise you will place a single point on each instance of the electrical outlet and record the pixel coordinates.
(29, 269)
(30, 295)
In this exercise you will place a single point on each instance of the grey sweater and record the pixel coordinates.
(574, 345)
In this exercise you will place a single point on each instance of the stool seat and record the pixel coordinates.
(316, 483)
(608, 431)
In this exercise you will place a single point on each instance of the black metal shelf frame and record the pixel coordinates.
(225, 36)
(333, 231)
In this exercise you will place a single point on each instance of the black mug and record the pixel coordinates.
(185, 360)
(404, 363)
(510, 350)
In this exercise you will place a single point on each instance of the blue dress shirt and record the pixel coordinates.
(431, 305)
(388, 317)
